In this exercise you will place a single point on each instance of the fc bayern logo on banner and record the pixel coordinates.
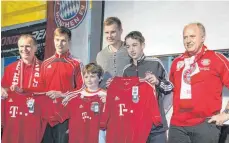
(70, 14)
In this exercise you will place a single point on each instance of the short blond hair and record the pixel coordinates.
(63, 30)
(113, 20)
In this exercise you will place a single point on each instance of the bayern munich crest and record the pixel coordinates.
(187, 74)
(70, 14)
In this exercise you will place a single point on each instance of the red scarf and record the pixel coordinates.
(185, 89)
(33, 76)
(199, 55)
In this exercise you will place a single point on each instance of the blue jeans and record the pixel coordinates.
(102, 136)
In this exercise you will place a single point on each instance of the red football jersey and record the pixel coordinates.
(23, 116)
(131, 110)
(60, 73)
(84, 113)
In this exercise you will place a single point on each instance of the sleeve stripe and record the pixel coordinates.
(217, 54)
(72, 95)
(166, 87)
(70, 60)
(48, 61)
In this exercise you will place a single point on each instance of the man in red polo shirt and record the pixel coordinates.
(60, 74)
(198, 77)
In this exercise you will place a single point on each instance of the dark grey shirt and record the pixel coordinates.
(112, 63)
(165, 87)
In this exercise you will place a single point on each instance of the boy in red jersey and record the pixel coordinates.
(83, 109)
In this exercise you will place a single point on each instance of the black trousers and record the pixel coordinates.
(56, 134)
(224, 137)
(157, 138)
(201, 133)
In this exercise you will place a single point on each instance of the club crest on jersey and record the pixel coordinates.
(135, 97)
(205, 62)
(30, 104)
(187, 76)
(180, 64)
(70, 13)
(95, 107)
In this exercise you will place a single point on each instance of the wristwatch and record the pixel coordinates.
(226, 111)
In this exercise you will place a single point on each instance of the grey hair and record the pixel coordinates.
(200, 26)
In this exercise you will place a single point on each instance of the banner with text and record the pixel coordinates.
(9, 39)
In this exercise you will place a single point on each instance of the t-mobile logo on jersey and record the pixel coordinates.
(13, 111)
(85, 116)
(122, 109)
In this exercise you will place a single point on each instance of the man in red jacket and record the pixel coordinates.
(198, 77)
(25, 72)
(60, 73)
(19, 75)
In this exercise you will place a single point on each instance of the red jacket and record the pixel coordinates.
(206, 88)
(127, 120)
(30, 75)
(61, 73)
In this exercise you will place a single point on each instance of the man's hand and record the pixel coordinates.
(108, 82)
(219, 119)
(54, 94)
(103, 99)
(103, 96)
(16, 88)
(65, 100)
(4, 93)
(151, 78)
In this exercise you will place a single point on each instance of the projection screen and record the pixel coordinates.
(162, 22)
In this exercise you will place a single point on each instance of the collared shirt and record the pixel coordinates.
(112, 63)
